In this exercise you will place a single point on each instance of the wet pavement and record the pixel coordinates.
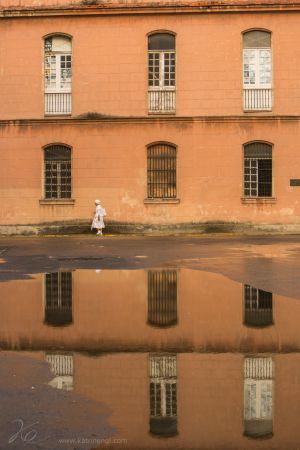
(184, 343)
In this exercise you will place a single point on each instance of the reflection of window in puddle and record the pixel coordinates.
(62, 367)
(258, 397)
(162, 298)
(163, 395)
(58, 298)
(258, 307)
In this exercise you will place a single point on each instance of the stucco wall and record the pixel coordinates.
(110, 163)
(110, 62)
(109, 156)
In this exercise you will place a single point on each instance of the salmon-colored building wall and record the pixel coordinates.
(210, 316)
(109, 57)
(110, 63)
(209, 172)
(210, 399)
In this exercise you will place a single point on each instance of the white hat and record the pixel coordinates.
(98, 202)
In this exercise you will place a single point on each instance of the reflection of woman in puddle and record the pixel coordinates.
(98, 221)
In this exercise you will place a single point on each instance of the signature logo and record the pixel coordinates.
(27, 434)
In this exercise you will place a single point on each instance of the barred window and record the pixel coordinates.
(58, 74)
(258, 307)
(162, 298)
(57, 162)
(258, 397)
(258, 170)
(163, 395)
(58, 301)
(161, 78)
(161, 171)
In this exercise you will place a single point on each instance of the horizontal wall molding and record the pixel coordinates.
(150, 120)
(136, 8)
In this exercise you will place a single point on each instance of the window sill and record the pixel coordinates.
(257, 110)
(57, 201)
(68, 114)
(161, 201)
(259, 200)
(161, 113)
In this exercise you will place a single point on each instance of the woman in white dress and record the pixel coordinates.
(98, 221)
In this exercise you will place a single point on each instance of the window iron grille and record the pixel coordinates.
(57, 167)
(58, 304)
(258, 170)
(161, 171)
(258, 307)
(162, 298)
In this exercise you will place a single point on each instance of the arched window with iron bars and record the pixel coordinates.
(258, 170)
(57, 172)
(161, 171)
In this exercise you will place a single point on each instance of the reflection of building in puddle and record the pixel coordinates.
(258, 397)
(62, 367)
(58, 298)
(258, 307)
(162, 298)
(163, 395)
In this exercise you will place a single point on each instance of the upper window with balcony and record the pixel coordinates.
(161, 78)
(163, 395)
(58, 75)
(257, 70)
(258, 397)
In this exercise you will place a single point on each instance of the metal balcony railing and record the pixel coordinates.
(258, 100)
(161, 101)
(58, 103)
(60, 365)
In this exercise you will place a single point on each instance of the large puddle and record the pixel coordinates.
(147, 359)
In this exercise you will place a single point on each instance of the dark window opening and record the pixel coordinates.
(257, 39)
(161, 41)
(258, 170)
(57, 172)
(161, 171)
(58, 304)
(258, 307)
(162, 298)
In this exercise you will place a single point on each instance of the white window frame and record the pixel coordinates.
(58, 70)
(162, 69)
(258, 68)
